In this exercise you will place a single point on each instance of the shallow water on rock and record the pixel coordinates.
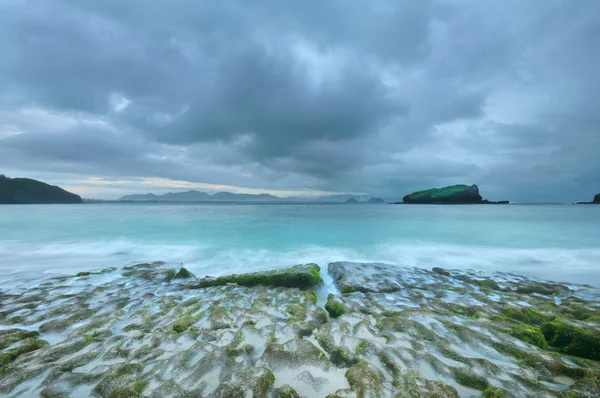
(401, 329)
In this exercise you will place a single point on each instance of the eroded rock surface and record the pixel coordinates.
(392, 332)
(464, 333)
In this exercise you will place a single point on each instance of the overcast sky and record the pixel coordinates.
(108, 97)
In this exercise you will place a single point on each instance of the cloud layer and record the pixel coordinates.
(337, 96)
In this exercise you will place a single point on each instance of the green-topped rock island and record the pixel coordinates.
(455, 194)
(373, 330)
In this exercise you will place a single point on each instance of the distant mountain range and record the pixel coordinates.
(198, 196)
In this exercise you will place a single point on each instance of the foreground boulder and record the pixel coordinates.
(28, 191)
(455, 194)
(300, 276)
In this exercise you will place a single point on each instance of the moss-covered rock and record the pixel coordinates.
(169, 275)
(183, 273)
(365, 380)
(183, 324)
(468, 378)
(529, 334)
(286, 391)
(495, 392)
(334, 307)
(487, 284)
(528, 315)
(548, 289)
(10, 336)
(571, 339)
(300, 276)
(122, 382)
(27, 345)
(412, 385)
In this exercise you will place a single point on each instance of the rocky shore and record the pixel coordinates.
(148, 330)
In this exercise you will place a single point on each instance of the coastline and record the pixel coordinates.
(376, 329)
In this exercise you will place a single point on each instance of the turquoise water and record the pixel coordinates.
(558, 242)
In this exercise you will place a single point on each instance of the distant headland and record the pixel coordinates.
(28, 191)
(596, 201)
(454, 194)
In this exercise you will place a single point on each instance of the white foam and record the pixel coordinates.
(565, 265)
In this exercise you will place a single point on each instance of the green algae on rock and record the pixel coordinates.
(571, 339)
(456, 329)
(300, 276)
(333, 307)
(455, 194)
(406, 333)
(183, 273)
(365, 380)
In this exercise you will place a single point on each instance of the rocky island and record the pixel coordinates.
(28, 191)
(455, 194)
(375, 200)
(377, 330)
(597, 198)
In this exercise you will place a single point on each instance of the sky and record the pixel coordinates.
(303, 98)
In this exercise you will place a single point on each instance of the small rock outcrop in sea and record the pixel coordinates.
(375, 200)
(597, 198)
(386, 331)
(28, 191)
(455, 194)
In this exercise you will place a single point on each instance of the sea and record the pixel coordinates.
(551, 242)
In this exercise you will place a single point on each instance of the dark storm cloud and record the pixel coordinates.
(382, 96)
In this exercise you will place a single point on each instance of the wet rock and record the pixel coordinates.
(365, 380)
(11, 336)
(411, 385)
(495, 392)
(27, 345)
(470, 331)
(353, 277)
(300, 276)
(406, 332)
(183, 273)
(334, 307)
(571, 339)
(285, 391)
(123, 381)
(548, 289)
(440, 271)
(257, 380)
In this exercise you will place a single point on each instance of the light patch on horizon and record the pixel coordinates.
(91, 185)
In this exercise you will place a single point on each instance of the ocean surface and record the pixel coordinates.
(554, 242)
